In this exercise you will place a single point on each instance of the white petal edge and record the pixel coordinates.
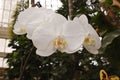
(44, 53)
(83, 19)
(91, 49)
(17, 28)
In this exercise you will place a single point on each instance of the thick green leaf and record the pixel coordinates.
(113, 52)
(108, 38)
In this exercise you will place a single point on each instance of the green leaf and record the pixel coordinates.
(112, 52)
(108, 38)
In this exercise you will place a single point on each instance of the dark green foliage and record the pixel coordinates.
(113, 52)
(108, 39)
(101, 20)
(79, 6)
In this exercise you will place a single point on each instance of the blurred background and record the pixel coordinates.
(17, 64)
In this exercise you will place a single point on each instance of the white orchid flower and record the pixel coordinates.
(58, 34)
(30, 19)
(92, 41)
(50, 31)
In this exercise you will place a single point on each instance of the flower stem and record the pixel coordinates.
(70, 6)
(24, 65)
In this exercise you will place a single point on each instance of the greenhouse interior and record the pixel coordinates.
(59, 39)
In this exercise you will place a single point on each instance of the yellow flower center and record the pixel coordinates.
(22, 30)
(89, 41)
(59, 43)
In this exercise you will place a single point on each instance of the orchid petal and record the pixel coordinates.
(57, 21)
(72, 28)
(91, 48)
(42, 38)
(24, 16)
(32, 13)
(44, 53)
(74, 36)
(73, 44)
(30, 29)
(83, 19)
(19, 29)
(40, 14)
(95, 36)
(33, 18)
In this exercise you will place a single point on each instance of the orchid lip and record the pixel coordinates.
(22, 30)
(89, 41)
(59, 43)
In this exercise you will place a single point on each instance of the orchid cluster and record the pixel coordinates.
(50, 31)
